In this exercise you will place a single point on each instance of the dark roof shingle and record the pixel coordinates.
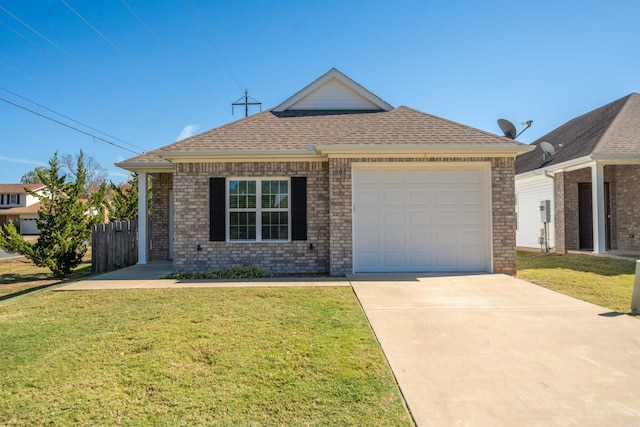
(613, 129)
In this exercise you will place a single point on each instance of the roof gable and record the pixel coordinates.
(611, 130)
(334, 91)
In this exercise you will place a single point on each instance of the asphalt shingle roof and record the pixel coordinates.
(18, 188)
(613, 130)
(297, 130)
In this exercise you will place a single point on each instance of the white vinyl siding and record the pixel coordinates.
(420, 219)
(334, 95)
(531, 191)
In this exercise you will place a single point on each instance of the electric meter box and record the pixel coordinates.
(545, 211)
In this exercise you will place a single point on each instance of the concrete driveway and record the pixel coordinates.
(489, 350)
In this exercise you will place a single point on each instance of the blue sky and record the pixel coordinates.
(468, 61)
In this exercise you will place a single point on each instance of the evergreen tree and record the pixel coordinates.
(125, 199)
(64, 222)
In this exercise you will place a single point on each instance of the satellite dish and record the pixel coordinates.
(507, 128)
(547, 148)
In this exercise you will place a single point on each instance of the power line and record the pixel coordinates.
(168, 52)
(67, 125)
(128, 58)
(105, 88)
(195, 16)
(69, 118)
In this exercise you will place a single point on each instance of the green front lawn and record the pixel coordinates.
(604, 281)
(245, 357)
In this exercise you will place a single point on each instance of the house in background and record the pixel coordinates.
(334, 179)
(19, 207)
(591, 178)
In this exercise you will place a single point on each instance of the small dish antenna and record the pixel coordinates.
(548, 151)
(509, 129)
(547, 148)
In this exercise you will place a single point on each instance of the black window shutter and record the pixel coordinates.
(217, 214)
(299, 208)
(18, 199)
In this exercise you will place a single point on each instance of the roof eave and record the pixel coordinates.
(146, 167)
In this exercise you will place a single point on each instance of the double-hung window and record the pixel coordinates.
(258, 210)
(13, 199)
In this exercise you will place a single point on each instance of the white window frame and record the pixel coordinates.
(258, 209)
(13, 199)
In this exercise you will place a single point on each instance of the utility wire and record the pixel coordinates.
(69, 118)
(175, 60)
(128, 58)
(105, 88)
(195, 16)
(86, 67)
(67, 125)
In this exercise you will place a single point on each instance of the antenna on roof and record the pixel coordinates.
(245, 101)
(548, 151)
(509, 129)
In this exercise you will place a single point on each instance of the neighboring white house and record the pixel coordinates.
(20, 207)
(591, 177)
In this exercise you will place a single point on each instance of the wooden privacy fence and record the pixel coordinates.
(114, 245)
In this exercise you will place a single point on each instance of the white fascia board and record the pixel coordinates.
(146, 167)
(333, 73)
(617, 159)
(423, 150)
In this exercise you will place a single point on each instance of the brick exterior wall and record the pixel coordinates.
(191, 201)
(159, 224)
(628, 206)
(624, 205)
(503, 217)
(560, 217)
(329, 217)
(503, 196)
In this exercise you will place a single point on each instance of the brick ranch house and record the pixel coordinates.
(333, 180)
(592, 182)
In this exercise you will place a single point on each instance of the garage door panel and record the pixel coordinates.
(473, 218)
(392, 218)
(469, 176)
(421, 219)
(367, 197)
(393, 198)
(472, 197)
(445, 218)
(368, 218)
(419, 198)
(392, 239)
(420, 239)
(393, 177)
(445, 197)
(366, 177)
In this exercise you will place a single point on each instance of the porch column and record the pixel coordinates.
(143, 220)
(597, 195)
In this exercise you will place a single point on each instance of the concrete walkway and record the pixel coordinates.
(150, 276)
(493, 350)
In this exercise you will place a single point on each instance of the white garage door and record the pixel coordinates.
(420, 219)
(28, 226)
